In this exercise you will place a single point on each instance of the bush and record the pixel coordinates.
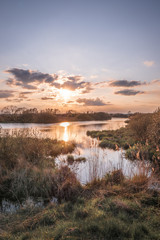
(139, 125)
(154, 129)
(140, 152)
(65, 185)
(115, 177)
(108, 144)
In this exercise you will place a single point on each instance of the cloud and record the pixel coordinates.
(6, 93)
(156, 81)
(15, 100)
(99, 83)
(24, 95)
(29, 79)
(73, 83)
(124, 83)
(75, 78)
(46, 98)
(93, 76)
(129, 92)
(91, 102)
(148, 63)
(87, 87)
(25, 78)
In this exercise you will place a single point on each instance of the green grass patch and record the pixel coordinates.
(98, 218)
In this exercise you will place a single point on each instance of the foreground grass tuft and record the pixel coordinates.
(98, 217)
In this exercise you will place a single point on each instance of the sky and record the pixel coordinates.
(85, 55)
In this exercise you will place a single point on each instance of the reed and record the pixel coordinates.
(27, 164)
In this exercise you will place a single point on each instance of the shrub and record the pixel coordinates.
(140, 152)
(107, 144)
(139, 124)
(65, 184)
(115, 177)
(154, 129)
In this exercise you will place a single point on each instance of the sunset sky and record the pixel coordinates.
(98, 55)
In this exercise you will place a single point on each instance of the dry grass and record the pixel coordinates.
(111, 206)
(27, 164)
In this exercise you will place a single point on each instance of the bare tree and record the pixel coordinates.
(9, 109)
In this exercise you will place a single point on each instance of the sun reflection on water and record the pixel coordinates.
(64, 124)
(65, 135)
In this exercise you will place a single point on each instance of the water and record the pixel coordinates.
(12, 207)
(69, 130)
(99, 161)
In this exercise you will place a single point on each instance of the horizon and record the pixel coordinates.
(88, 55)
(12, 109)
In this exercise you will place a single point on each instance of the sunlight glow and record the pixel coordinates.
(65, 135)
(65, 93)
(64, 124)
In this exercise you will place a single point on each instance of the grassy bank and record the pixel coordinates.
(113, 139)
(27, 166)
(140, 138)
(111, 208)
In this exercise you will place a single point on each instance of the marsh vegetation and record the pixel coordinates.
(112, 206)
(140, 138)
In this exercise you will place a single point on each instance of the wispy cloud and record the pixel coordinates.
(46, 98)
(6, 93)
(148, 63)
(93, 76)
(15, 100)
(156, 81)
(25, 95)
(129, 92)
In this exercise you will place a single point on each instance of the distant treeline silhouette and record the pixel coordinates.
(13, 114)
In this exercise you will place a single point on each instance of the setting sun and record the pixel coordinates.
(65, 93)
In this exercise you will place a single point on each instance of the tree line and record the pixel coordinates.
(49, 115)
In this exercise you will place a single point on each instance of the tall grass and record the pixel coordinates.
(27, 165)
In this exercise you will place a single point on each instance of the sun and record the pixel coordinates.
(64, 124)
(65, 94)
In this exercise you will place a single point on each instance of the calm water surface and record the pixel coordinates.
(99, 161)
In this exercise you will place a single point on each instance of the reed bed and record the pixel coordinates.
(111, 205)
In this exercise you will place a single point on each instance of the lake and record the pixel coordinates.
(98, 161)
